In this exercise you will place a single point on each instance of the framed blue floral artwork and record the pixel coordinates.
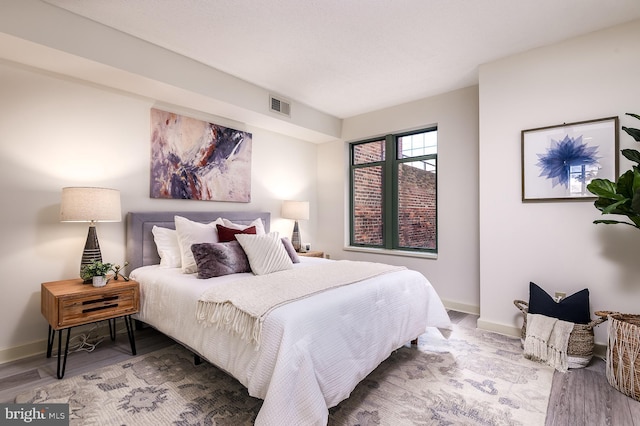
(558, 162)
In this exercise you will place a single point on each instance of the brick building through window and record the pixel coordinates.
(393, 192)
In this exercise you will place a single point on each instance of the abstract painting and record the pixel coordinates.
(195, 160)
(558, 162)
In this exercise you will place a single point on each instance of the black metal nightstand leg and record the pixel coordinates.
(50, 337)
(112, 329)
(60, 373)
(132, 339)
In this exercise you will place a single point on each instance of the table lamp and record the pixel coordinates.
(87, 204)
(296, 210)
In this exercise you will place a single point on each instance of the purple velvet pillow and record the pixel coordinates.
(217, 259)
(290, 250)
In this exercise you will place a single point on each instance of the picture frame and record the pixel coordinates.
(193, 159)
(558, 162)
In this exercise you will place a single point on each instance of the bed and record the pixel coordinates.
(313, 351)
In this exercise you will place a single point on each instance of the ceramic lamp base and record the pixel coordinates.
(295, 237)
(91, 251)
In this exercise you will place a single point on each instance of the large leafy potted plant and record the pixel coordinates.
(623, 196)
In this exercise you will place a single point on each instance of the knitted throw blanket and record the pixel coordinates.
(547, 340)
(240, 306)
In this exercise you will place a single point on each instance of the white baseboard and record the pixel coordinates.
(600, 350)
(40, 347)
(24, 351)
(461, 307)
(508, 330)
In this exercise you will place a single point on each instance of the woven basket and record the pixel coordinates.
(623, 353)
(580, 347)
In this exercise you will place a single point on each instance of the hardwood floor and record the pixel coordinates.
(579, 397)
(27, 373)
(584, 397)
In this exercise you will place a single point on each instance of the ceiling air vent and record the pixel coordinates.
(279, 105)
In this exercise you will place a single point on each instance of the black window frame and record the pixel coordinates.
(390, 191)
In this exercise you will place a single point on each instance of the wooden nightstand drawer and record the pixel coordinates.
(70, 303)
(83, 309)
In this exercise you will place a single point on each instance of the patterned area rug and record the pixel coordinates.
(474, 378)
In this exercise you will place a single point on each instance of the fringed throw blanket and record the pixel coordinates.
(240, 306)
(547, 340)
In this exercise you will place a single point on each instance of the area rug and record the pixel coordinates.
(473, 378)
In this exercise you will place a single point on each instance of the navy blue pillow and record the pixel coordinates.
(574, 308)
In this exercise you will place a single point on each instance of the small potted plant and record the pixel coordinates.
(96, 272)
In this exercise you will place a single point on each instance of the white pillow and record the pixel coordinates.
(265, 252)
(190, 232)
(168, 248)
(257, 223)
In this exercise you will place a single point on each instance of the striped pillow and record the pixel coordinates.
(266, 253)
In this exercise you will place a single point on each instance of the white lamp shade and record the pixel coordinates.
(86, 204)
(297, 210)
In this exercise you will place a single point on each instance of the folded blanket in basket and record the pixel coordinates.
(547, 340)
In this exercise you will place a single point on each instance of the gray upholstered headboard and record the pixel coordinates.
(141, 249)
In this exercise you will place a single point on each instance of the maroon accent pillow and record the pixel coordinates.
(217, 259)
(229, 234)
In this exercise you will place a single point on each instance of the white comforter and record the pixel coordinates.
(314, 351)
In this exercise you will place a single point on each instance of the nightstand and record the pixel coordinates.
(311, 253)
(70, 303)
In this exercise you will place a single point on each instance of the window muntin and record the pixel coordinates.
(418, 144)
(393, 197)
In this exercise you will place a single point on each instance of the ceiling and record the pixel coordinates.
(348, 57)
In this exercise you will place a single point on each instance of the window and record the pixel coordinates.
(393, 192)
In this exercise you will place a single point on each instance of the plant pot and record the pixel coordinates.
(623, 354)
(99, 281)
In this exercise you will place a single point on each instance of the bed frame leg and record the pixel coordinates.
(196, 359)
(414, 341)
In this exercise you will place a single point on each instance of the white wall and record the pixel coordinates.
(554, 244)
(56, 132)
(44, 36)
(454, 274)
